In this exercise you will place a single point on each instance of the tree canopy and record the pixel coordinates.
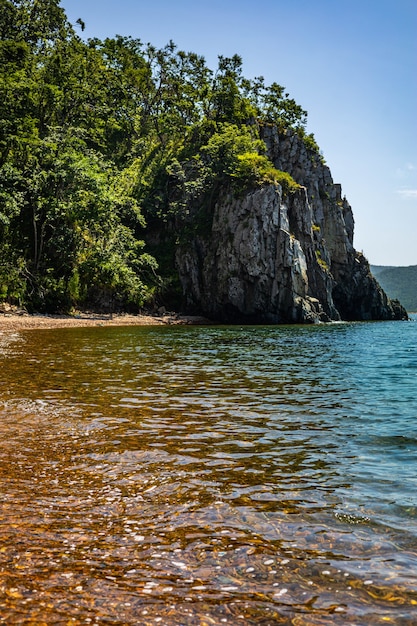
(100, 141)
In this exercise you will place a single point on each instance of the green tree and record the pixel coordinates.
(227, 102)
(94, 135)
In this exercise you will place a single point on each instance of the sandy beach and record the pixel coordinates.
(24, 321)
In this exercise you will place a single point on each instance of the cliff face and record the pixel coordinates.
(273, 257)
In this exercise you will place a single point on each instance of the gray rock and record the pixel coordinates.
(274, 257)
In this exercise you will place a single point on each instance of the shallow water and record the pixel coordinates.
(209, 475)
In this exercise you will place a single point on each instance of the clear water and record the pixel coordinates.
(209, 475)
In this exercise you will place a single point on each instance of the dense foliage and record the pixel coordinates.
(101, 141)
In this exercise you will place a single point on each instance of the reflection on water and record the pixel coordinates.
(208, 476)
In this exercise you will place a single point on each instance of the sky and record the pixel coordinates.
(352, 64)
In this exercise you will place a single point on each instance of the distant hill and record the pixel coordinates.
(398, 282)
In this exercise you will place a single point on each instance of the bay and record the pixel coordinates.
(209, 475)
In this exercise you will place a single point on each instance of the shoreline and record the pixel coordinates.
(24, 321)
(17, 320)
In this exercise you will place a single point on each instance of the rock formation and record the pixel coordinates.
(274, 257)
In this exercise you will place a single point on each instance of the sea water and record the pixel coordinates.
(209, 475)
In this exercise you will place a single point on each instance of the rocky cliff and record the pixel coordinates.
(274, 256)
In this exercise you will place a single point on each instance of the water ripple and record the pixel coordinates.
(209, 475)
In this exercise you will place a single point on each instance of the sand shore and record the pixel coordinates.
(15, 322)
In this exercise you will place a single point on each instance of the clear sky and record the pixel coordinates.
(352, 64)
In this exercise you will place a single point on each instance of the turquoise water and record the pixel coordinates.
(209, 475)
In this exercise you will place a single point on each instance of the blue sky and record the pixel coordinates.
(352, 64)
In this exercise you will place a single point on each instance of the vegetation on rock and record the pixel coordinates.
(101, 142)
